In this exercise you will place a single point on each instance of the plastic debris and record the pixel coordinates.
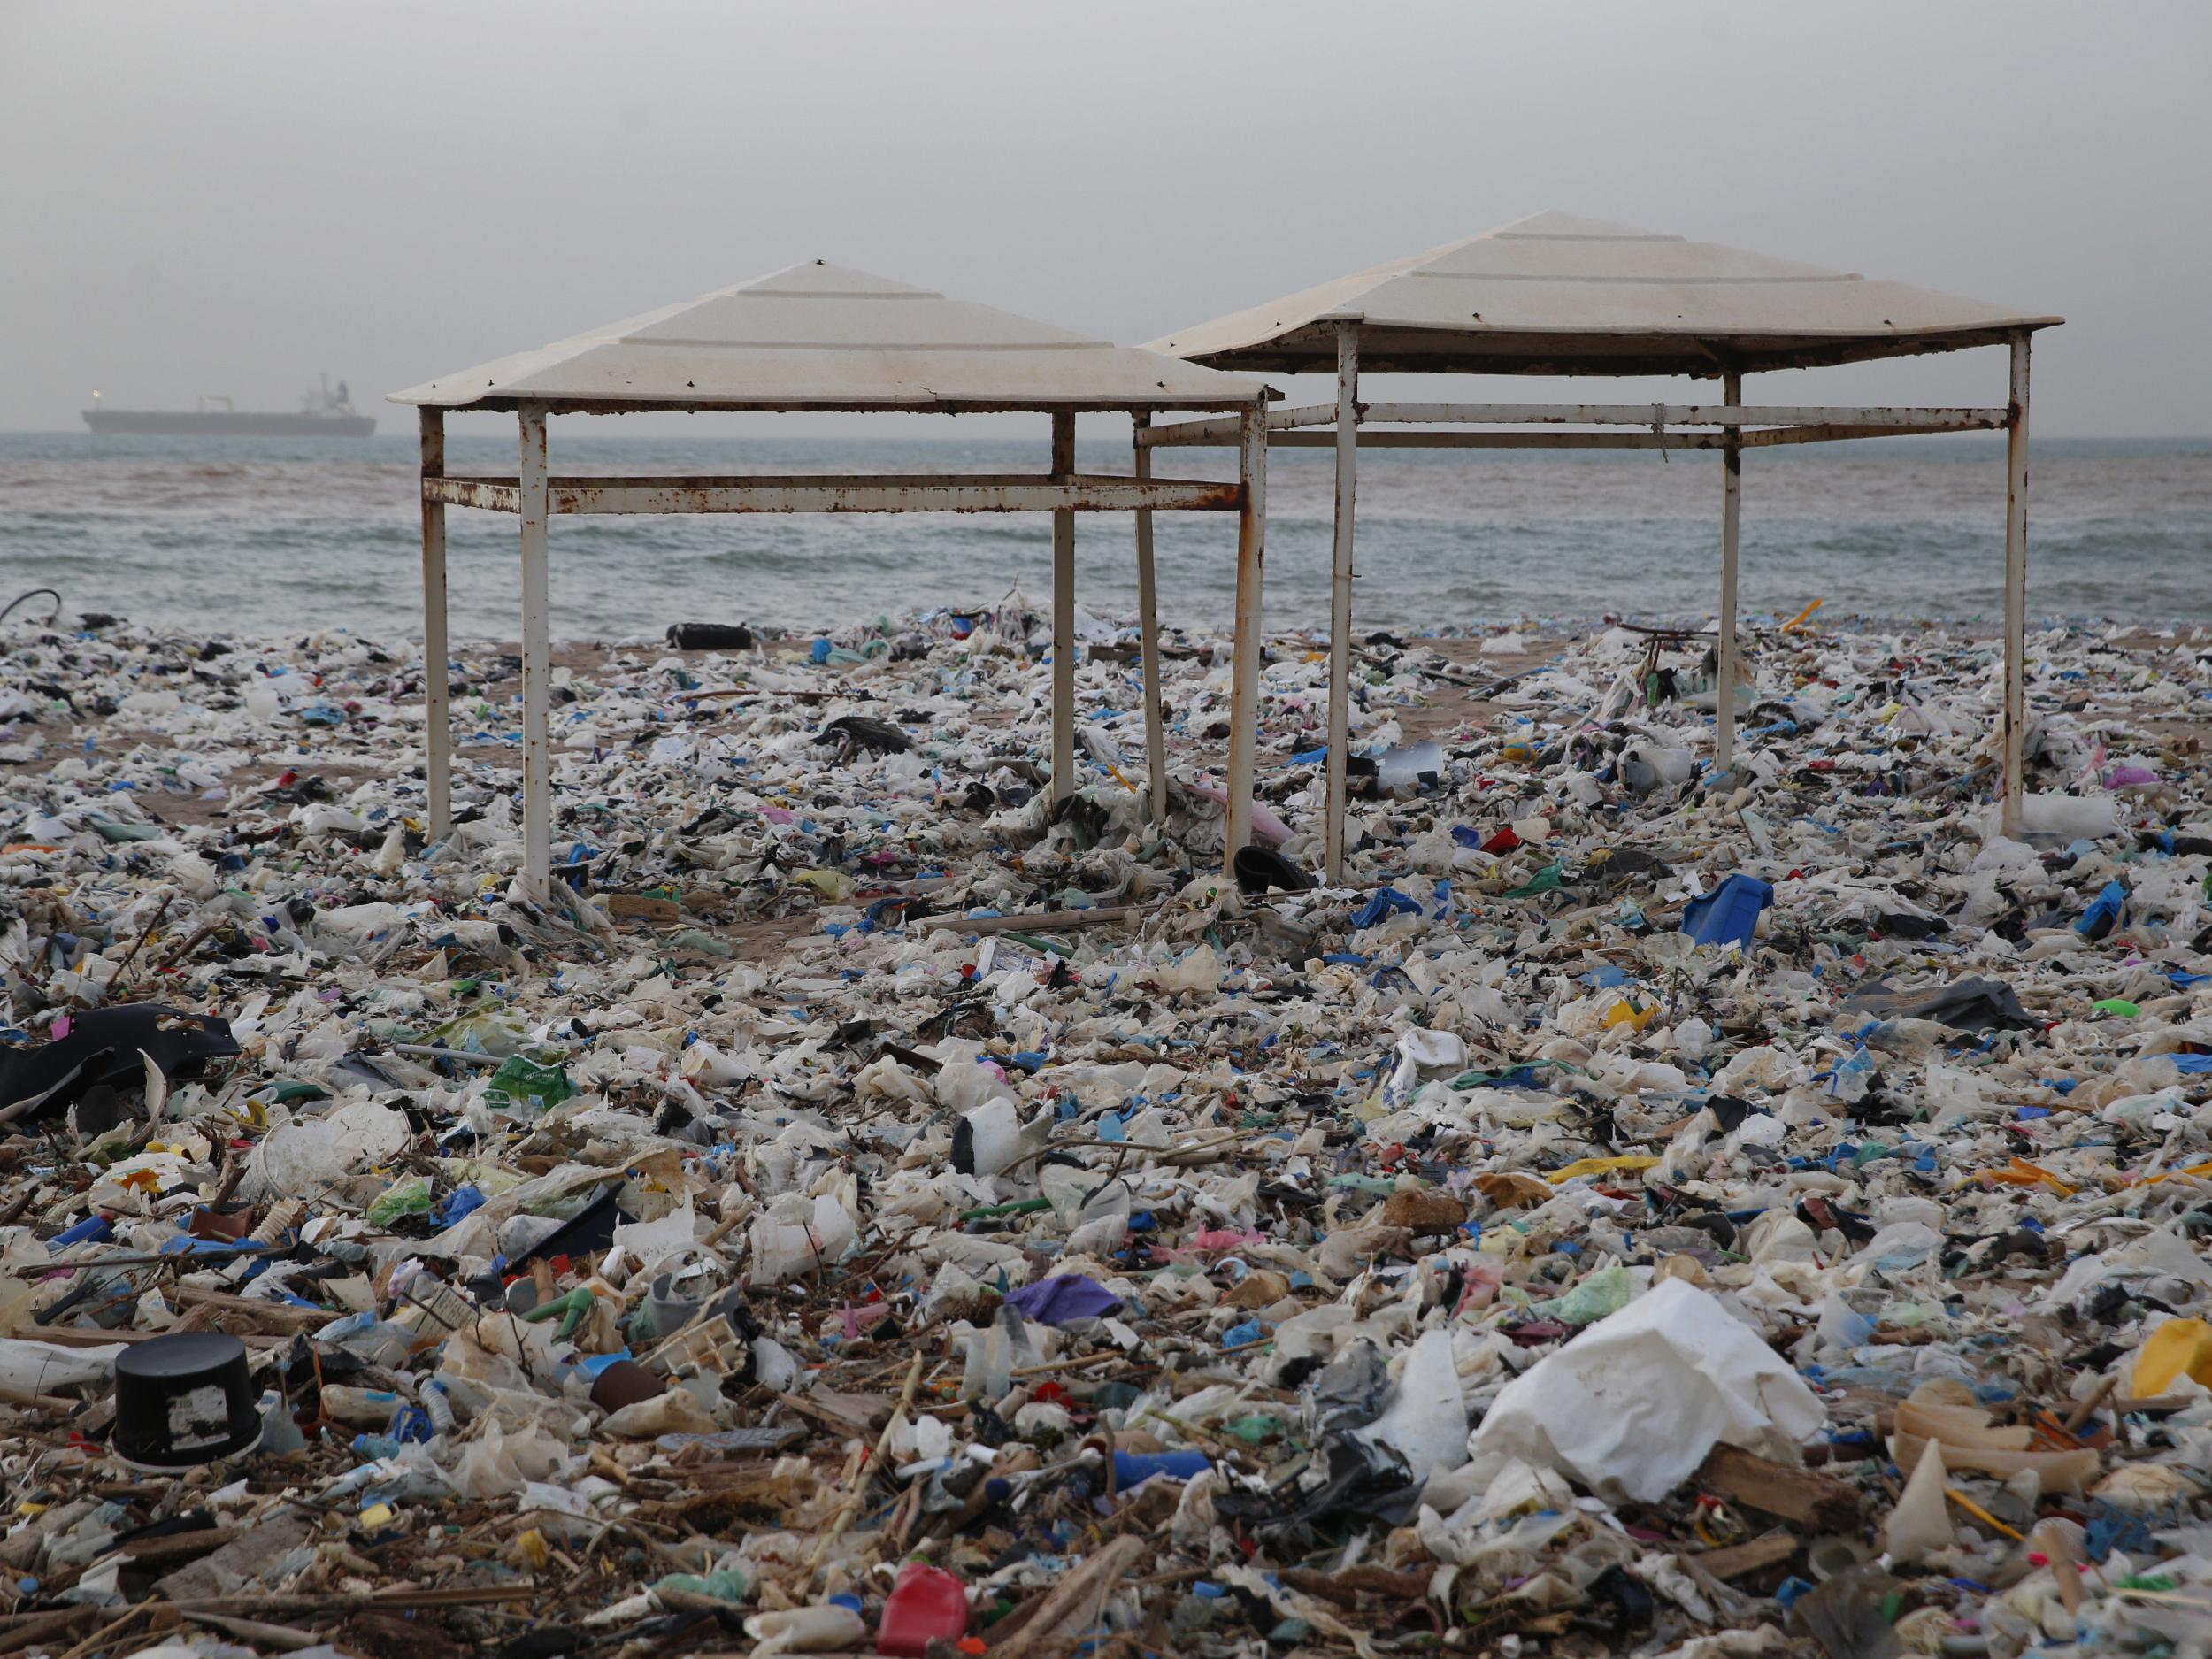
(875, 1204)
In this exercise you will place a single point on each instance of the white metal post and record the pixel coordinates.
(1340, 596)
(2016, 587)
(1244, 698)
(1148, 628)
(537, 664)
(1063, 616)
(1730, 507)
(437, 719)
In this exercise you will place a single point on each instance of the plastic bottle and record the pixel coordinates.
(928, 1603)
(728, 1584)
(368, 1339)
(808, 1629)
(437, 1405)
(360, 1408)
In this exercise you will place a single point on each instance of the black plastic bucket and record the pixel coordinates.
(184, 1398)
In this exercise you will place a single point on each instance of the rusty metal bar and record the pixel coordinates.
(1347, 417)
(1222, 431)
(1730, 413)
(1244, 698)
(1148, 634)
(894, 493)
(492, 495)
(1443, 438)
(1730, 510)
(1770, 437)
(2015, 733)
(1062, 615)
(537, 665)
(436, 654)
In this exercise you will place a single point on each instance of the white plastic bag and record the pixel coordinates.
(1632, 1406)
(1425, 1422)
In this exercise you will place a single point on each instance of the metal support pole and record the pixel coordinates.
(1063, 616)
(1148, 627)
(1340, 596)
(2015, 727)
(437, 718)
(1244, 698)
(537, 665)
(1731, 508)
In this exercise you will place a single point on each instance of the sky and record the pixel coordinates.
(229, 198)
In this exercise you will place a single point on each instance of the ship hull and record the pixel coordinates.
(224, 423)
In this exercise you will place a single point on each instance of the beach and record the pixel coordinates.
(850, 1093)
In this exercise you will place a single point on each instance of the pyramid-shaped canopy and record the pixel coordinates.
(819, 336)
(1558, 295)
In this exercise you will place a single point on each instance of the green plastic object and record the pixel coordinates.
(524, 1086)
(409, 1196)
(115, 830)
(1371, 1184)
(2118, 1005)
(1545, 880)
(574, 1308)
(494, 1031)
(1595, 1295)
(729, 1585)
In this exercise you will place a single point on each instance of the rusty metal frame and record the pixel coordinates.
(1074, 492)
(1730, 426)
(536, 498)
(1284, 425)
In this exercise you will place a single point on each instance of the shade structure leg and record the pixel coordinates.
(1063, 617)
(1341, 597)
(537, 665)
(1730, 510)
(437, 717)
(1148, 627)
(1244, 698)
(2016, 590)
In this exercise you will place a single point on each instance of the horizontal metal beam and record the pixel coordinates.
(491, 494)
(889, 493)
(1230, 431)
(1772, 436)
(1900, 419)
(1953, 419)
(1433, 438)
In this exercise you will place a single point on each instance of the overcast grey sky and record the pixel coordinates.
(227, 198)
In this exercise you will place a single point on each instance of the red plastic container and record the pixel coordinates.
(926, 1603)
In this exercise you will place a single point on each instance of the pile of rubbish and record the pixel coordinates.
(877, 1206)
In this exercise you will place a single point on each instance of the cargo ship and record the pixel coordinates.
(322, 413)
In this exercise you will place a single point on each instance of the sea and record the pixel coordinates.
(290, 535)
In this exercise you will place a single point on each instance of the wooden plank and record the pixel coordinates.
(274, 1317)
(1037, 921)
(641, 906)
(1820, 1503)
(1749, 1557)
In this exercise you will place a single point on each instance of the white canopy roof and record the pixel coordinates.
(1559, 294)
(821, 336)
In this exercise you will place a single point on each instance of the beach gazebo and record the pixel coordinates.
(818, 336)
(1558, 295)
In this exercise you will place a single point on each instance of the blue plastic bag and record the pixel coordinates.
(1727, 915)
